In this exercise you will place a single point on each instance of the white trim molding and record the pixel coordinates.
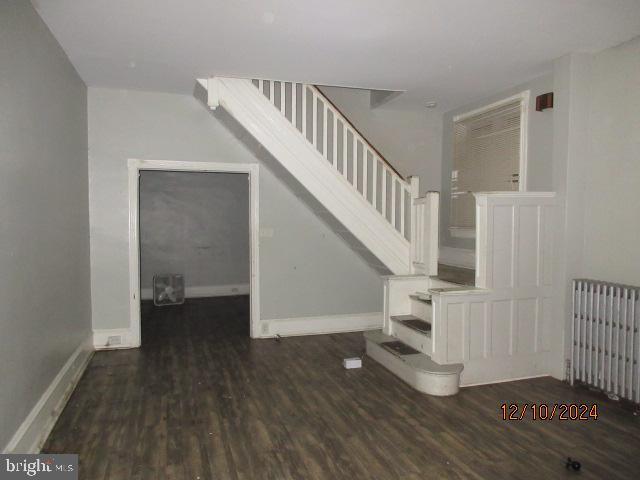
(350, 322)
(113, 339)
(457, 257)
(38, 424)
(135, 166)
(205, 291)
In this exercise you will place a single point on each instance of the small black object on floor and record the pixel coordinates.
(573, 465)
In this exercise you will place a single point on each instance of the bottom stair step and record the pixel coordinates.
(415, 368)
(399, 348)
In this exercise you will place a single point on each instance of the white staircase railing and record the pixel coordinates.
(345, 149)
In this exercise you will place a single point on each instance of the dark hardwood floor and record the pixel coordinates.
(202, 400)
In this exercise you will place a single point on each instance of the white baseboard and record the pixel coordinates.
(287, 327)
(36, 427)
(107, 339)
(201, 291)
(514, 379)
(457, 257)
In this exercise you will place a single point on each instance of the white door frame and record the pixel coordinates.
(135, 166)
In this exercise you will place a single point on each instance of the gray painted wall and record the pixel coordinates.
(305, 268)
(45, 310)
(595, 173)
(539, 152)
(612, 167)
(196, 224)
(409, 139)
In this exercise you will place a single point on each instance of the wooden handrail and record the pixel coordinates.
(353, 127)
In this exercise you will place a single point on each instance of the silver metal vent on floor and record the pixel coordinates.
(168, 289)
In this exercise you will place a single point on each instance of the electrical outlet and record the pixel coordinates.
(114, 340)
(265, 328)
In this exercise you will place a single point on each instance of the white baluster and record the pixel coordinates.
(374, 181)
(365, 170)
(345, 164)
(383, 200)
(303, 99)
(334, 139)
(325, 128)
(314, 120)
(261, 86)
(402, 209)
(393, 201)
(355, 161)
(283, 102)
(294, 104)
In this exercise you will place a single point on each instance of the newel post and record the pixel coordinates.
(414, 185)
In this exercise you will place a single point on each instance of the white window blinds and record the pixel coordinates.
(486, 157)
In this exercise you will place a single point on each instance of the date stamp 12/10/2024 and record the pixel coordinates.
(544, 411)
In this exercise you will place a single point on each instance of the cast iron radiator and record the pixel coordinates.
(605, 347)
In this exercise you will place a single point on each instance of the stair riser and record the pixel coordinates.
(433, 384)
(414, 339)
(421, 310)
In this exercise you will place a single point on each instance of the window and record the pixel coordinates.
(487, 156)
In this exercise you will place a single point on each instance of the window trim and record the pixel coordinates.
(523, 98)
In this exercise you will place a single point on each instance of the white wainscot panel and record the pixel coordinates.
(526, 329)
(528, 249)
(545, 325)
(478, 330)
(455, 332)
(501, 254)
(501, 328)
(546, 233)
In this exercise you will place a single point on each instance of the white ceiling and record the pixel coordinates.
(449, 51)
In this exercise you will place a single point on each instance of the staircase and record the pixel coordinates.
(314, 148)
(436, 335)
(327, 162)
(406, 343)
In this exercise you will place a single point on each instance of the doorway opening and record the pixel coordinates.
(193, 249)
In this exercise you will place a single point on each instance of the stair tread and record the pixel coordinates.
(398, 348)
(418, 361)
(413, 322)
(418, 298)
